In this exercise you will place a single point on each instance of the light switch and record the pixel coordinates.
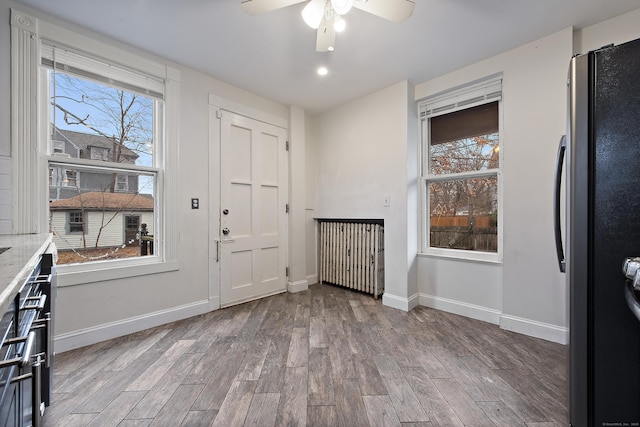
(387, 200)
(195, 203)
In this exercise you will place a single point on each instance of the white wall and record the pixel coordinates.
(360, 154)
(526, 292)
(616, 30)
(89, 312)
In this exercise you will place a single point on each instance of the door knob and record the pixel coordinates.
(226, 231)
(226, 211)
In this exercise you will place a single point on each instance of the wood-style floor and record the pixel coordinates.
(323, 357)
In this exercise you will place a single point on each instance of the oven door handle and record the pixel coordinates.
(24, 359)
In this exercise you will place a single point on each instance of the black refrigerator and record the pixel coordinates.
(601, 152)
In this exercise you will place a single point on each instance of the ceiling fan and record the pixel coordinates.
(327, 15)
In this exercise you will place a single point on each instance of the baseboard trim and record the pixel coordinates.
(83, 337)
(312, 279)
(299, 286)
(400, 303)
(461, 308)
(533, 328)
(214, 303)
(519, 325)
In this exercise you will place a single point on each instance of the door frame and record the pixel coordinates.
(216, 104)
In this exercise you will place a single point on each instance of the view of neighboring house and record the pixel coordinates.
(69, 182)
(90, 207)
(110, 219)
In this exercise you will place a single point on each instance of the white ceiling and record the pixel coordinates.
(274, 55)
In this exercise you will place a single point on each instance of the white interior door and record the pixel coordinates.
(253, 224)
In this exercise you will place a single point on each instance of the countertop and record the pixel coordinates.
(18, 261)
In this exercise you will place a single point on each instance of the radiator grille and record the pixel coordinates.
(352, 255)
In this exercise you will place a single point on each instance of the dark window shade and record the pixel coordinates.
(467, 123)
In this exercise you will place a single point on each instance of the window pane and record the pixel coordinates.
(95, 220)
(464, 141)
(464, 214)
(99, 122)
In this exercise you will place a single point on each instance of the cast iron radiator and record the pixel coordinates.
(352, 254)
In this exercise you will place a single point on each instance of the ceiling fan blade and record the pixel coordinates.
(255, 7)
(392, 10)
(326, 39)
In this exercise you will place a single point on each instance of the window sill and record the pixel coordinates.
(80, 274)
(460, 255)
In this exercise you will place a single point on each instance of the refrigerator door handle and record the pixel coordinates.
(632, 301)
(562, 148)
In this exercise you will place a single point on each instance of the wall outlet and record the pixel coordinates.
(195, 203)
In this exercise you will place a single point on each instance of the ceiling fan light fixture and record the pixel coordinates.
(341, 7)
(313, 13)
(339, 24)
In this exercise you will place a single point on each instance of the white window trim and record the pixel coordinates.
(30, 128)
(462, 97)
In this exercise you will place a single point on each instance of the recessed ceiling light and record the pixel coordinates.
(322, 71)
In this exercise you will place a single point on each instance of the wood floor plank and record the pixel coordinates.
(500, 414)
(236, 405)
(466, 409)
(317, 334)
(432, 401)
(154, 400)
(138, 349)
(349, 404)
(402, 396)
(106, 385)
(198, 419)
(320, 386)
(202, 372)
(322, 416)
(117, 410)
(263, 410)
(273, 370)
(253, 361)
(302, 314)
(380, 411)
(160, 367)
(176, 408)
(292, 410)
(342, 359)
(72, 420)
(525, 410)
(222, 376)
(298, 348)
(369, 378)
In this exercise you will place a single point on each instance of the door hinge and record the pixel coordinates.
(286, 145)
(286, 271)
(286, 208)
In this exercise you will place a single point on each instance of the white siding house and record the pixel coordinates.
(97, 219)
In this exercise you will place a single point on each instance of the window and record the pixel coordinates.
(75, 222)
(122, 183)
(99, 153)
(93, 115)
(461, 171)
(58, 147)
(73, 79)
(70, 179)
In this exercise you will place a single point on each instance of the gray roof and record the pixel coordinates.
(85, 140)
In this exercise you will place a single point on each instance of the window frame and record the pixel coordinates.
(31, 156)
(122, 179)
(459, 98)
(70, 223)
